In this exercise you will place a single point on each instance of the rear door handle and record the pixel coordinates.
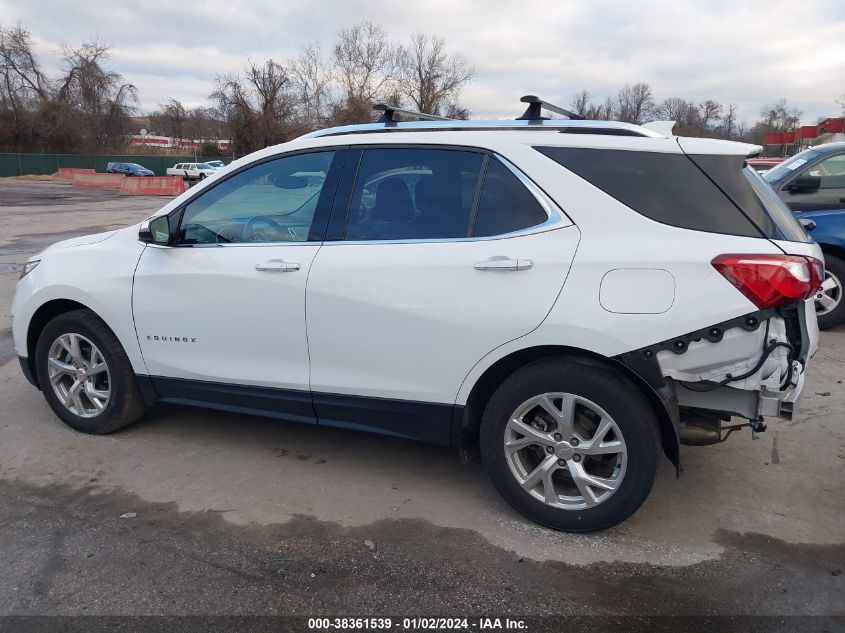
(277, 266)
(504, 263)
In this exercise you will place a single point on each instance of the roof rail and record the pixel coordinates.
(614, 128)
(390, 111)
(534, 111)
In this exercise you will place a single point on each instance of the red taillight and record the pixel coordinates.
(772, 280)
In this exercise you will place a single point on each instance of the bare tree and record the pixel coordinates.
(366, 61)
(582, 102)
(24, 89)
(312, 77)
(609, 112)
(256, 105)
(674, 109)
(779, 116)
(729, 123)
(98, 98)
(23, 80)
(171, 117)
(430, 76)
(710, 112)
(634, 102)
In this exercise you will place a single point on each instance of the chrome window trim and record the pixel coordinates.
(233, 245)
(557, 219)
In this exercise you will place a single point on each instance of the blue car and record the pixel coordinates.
(827, 227)
(812, 184)
(128, 169)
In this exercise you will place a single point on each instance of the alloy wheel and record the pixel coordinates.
(79, 375)
(829, 295)
(565, 451)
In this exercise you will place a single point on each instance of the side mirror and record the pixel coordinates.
(808, 224)
(805, 183)
(155, 231)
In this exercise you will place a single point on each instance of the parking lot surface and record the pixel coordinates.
(194, 511)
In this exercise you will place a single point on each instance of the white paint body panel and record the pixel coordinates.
(96, 271)
(409, 321)
(249, 325)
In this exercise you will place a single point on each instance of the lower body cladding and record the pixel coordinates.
(751, 367)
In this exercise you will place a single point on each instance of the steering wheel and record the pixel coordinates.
(252, 235)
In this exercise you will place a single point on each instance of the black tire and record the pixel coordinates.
(125, 404)
(836, 267)
(202, 176)
(609, 390)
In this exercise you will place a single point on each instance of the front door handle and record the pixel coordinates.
(504, 263)
(277, 266)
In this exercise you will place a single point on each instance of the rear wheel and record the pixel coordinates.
(571, 445)
(830, 308)
(85, 375)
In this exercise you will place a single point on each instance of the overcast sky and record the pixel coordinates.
(746, 52)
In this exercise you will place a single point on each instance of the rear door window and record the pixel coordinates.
(408, 193)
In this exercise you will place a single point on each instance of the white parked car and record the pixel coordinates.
(191, 171)
(215, 164)
(569, 298)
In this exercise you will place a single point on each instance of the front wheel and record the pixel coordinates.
(571, 445)
(830, 308)
(85, 375)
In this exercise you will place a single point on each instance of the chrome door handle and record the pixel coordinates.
(504, 263)
(277, 266)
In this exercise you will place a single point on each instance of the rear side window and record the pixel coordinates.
(781, 214)
(751, 194)
(506, 205)
(667, 188)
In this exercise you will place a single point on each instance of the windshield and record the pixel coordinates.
(134, 166)
(203, 166)
(790, 165)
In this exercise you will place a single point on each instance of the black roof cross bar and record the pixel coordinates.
(390, 111)
(534, 111)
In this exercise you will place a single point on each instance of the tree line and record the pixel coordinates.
(87, 107)
(90, 108)
(635, 103)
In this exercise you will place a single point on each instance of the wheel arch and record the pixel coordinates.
(467, 421)
(41, 317)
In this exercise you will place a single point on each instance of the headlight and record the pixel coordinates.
(29, 267)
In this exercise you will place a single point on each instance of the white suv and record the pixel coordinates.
(192, 171)
(569, 298)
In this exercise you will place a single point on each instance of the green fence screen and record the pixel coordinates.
(45, 164)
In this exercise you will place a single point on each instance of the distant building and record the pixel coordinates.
(173, 142)
(788, 143)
